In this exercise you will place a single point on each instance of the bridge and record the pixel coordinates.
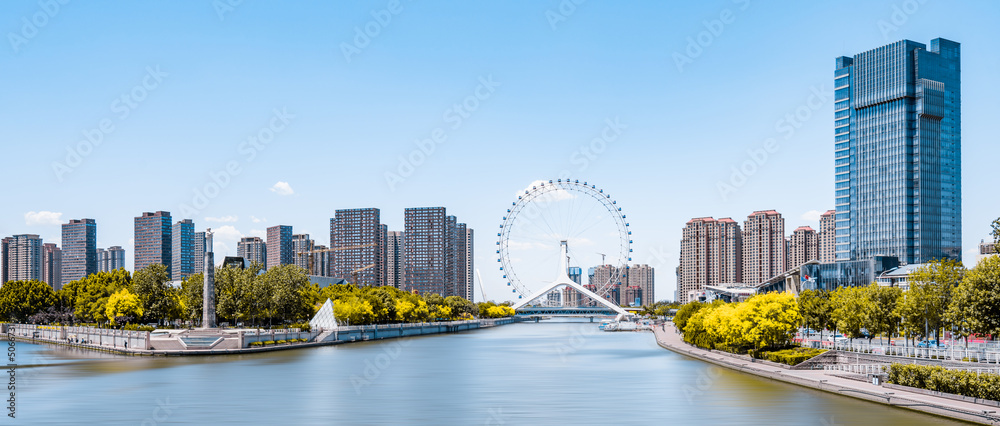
(530, 306)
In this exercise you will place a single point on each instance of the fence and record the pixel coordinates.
(85, 336)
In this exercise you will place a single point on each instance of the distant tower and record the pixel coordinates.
(208, 292)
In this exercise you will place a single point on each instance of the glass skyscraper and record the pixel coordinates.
(898, 147)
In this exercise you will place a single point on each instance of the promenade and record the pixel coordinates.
(830, 381)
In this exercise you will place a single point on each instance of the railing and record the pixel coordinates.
(985, 353)
(857, 368)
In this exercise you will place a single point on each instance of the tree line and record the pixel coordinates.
(251, 296)
(943, 295)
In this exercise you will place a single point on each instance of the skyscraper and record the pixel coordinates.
(897, 126)
(182, 250)
(394, 259)
(434, 255)
(828, 237)
(470, 265)
(79, 247)
(52, 265)
(199, 252)
(154, 240)
(356, 244)
(763, 246)
(252, 249)
(642, 277)
(711, 253)
(22, 258)
(301, 243)
(279, 246)
(110, 259)
(803, 246)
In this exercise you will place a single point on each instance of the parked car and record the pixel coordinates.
(929, 344)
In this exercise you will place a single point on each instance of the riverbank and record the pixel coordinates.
(201, 342)
(833, 382)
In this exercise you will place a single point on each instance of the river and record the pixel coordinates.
(532, 373)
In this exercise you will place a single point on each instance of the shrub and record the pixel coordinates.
(939, 379)
(268, 342)
(253, 344)
(793, 356)
(281, 342)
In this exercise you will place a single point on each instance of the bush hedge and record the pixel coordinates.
(254, 344)
(939, 379)
(792, 356)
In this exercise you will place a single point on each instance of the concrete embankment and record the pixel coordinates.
(223, 342)
(668, 338)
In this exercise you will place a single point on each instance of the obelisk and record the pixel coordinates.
(208, 292)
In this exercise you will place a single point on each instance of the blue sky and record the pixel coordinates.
(199, 79)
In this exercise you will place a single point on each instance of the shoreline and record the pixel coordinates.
(835, 384)
(351, 336)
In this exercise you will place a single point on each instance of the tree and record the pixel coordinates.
(977, 299)
(685, 312)
(354, 310)
(849, 310)
(192, 298)
(236, 297)
(159, 299)
(934, 283)
(289, 287)
(92, 293)
(123, 307)
(880, 310)
(460, 305)
(770, 320)
(814, 305)
(21, 299)
(996, 232)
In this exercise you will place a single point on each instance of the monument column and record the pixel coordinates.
(208, 291)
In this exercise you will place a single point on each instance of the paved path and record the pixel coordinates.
(667, 337)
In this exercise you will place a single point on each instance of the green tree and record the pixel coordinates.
(460, 305)
(92, 293)
(880, 310)
(354, 310)
(192, 297)
(289, 288)
(849, 310)
(159, 299)
(122, 306)
(934, 283)
(996, 232)
(773, 319)
(814, 305)
(236, 297)
(21, 299)
(977, 300)
(685, 312)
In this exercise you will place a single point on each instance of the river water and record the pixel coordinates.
(533, 373)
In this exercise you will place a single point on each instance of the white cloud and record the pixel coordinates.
(282, 188)
(224, 240)
(42, 218)
(258, 233)
(812, 215)
(256, 219)
(223, 219)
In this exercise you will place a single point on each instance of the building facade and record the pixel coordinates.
(897, 144)
(279, 246)
(394, 259)
(642, 278)
(22, 258)
(711, 253)
(182, 250)
(79, 249)
(435, 253)
(803, 246)
(110, 259)
(52, 265)
(199, 252)
(828, 237)
(302, 247)
(252, 249)
(470, 265)
(154, 240)
(356, 246)
(763, 246)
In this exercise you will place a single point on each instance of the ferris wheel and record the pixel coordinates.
(546, 214)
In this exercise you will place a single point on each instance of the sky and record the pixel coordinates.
(244, 115)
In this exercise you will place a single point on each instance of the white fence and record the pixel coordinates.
(86, 336)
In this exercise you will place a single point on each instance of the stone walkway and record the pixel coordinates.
(667, 337)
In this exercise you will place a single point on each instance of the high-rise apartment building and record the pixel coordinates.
(435, 253)
(763, 246)
(470, 265)
(22, 258)
(52, 265)
(302, 245)
(279, 246)
(356, 244)
(642, 277)
(803, 246)
(79, 249)
(898, 150)
(321, 261)
(394, 259)
(711, 253)
(199, 252)
(110, 259)
(828, 237)
(252, 249)
(154, 240)
(182, 250)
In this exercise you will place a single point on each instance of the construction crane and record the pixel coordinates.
(310, 253)
(354, 273)
(602, 258)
